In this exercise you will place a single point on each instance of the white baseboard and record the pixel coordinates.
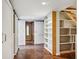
(48, 50)
(38, 43)
(16, 51)
(51, 51)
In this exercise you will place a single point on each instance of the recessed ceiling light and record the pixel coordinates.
(43, 3)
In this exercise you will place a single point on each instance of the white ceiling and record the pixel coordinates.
(33, 9)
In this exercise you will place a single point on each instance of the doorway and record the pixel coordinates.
(29, 29)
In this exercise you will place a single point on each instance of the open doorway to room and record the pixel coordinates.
(29, 33)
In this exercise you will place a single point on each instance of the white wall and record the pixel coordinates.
(21, 32)
(38, 32)
(7, 29)
(16, 35)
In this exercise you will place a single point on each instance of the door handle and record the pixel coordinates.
(3, 37)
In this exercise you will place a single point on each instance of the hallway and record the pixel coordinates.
(39, 29)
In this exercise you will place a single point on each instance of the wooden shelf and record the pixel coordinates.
(64, 27)
(73, 31)
(64, 39)
(73, 46)
(67, 43)
(49, 23)
(64, 31)
(65, 47)
(46, 37)
(67, 37)
(69, 51)
(48, 33)
(45, 32)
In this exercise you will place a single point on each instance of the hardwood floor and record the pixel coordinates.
(68, 55)
(29, 42)
(35, 52)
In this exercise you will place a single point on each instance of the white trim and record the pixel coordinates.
(51, 51)
(48, 50)
(16, 51)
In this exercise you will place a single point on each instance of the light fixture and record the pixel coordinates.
(43, 3)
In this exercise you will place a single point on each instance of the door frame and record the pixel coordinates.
(32, 23)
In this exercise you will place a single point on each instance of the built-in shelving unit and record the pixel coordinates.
(48, 33)
(67, 36)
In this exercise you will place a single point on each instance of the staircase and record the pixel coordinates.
(70, 14)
